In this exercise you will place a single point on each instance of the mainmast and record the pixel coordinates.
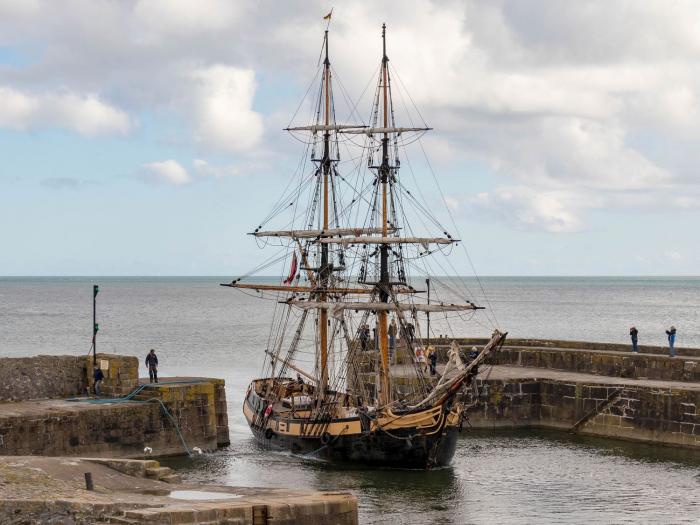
(384, 284)
(324, 270)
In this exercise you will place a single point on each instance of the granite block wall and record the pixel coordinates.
(637, 413)
(607, 364)
(121, 373)
(62, 428)
(42, 377)
(42, 422)
(573, 345)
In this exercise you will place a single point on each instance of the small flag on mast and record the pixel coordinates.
(292, 270)
(328, 16)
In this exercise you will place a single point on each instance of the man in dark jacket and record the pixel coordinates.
(671, 334)
(152, 364)
(633, 335)
(97, 376)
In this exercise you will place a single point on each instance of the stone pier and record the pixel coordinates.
(598, 389)
(46, 411)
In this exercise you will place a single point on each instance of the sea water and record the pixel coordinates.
(200, 328)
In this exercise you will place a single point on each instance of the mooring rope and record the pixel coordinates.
(130, 398)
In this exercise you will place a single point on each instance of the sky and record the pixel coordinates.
(145, 137)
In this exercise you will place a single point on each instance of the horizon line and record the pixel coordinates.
(218, 276)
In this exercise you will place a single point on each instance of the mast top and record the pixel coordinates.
(384, 58)
(326, 62)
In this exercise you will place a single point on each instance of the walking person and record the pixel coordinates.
(671, 334)
(152, 364)
(633, 336)
(98, 376)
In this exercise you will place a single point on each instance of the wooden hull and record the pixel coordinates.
(419, 441)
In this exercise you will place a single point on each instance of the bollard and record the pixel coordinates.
(88, 481)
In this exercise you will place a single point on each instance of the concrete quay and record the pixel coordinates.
(53, 490)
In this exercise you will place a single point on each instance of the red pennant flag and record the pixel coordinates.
(292, 270)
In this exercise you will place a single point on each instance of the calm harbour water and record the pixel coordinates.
(202, 329)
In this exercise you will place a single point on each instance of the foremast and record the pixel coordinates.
(384, 285)
(324, 269)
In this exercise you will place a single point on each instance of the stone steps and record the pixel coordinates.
(185, 516)
(164, 474)
(121, 520)
(171, 478)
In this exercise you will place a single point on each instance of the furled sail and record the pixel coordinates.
(299, 289)
(336, 290)
(312, 234)
(323, 127)
(388, 129)
(338, 308)
(424, 241)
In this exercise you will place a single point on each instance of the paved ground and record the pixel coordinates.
(40, 408)
(607, 352)
(503, 372)
(514, 372)
(43, 407)
(48, 488)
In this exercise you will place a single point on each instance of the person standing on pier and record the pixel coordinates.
(98, 376)
(152, 364)
(633, 336)
(671, 334)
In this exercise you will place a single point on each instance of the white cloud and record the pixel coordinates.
(555, 97)
(85, 114)
(167, 172)
(223, 113)
(673, 256)
(185, 17)
(559, 153)
(452, 203)
(527, 209)
(18, 8)
(205, 169)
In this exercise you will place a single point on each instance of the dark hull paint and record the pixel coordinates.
(374, 449)
(410, 448)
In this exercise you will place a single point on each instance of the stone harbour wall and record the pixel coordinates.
(42, 377)
(42, 421)
(123, 429)
(63, 376)
(656, 415)
(571, 345)
(630, 365)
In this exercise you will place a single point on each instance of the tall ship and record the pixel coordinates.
(346, 375)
